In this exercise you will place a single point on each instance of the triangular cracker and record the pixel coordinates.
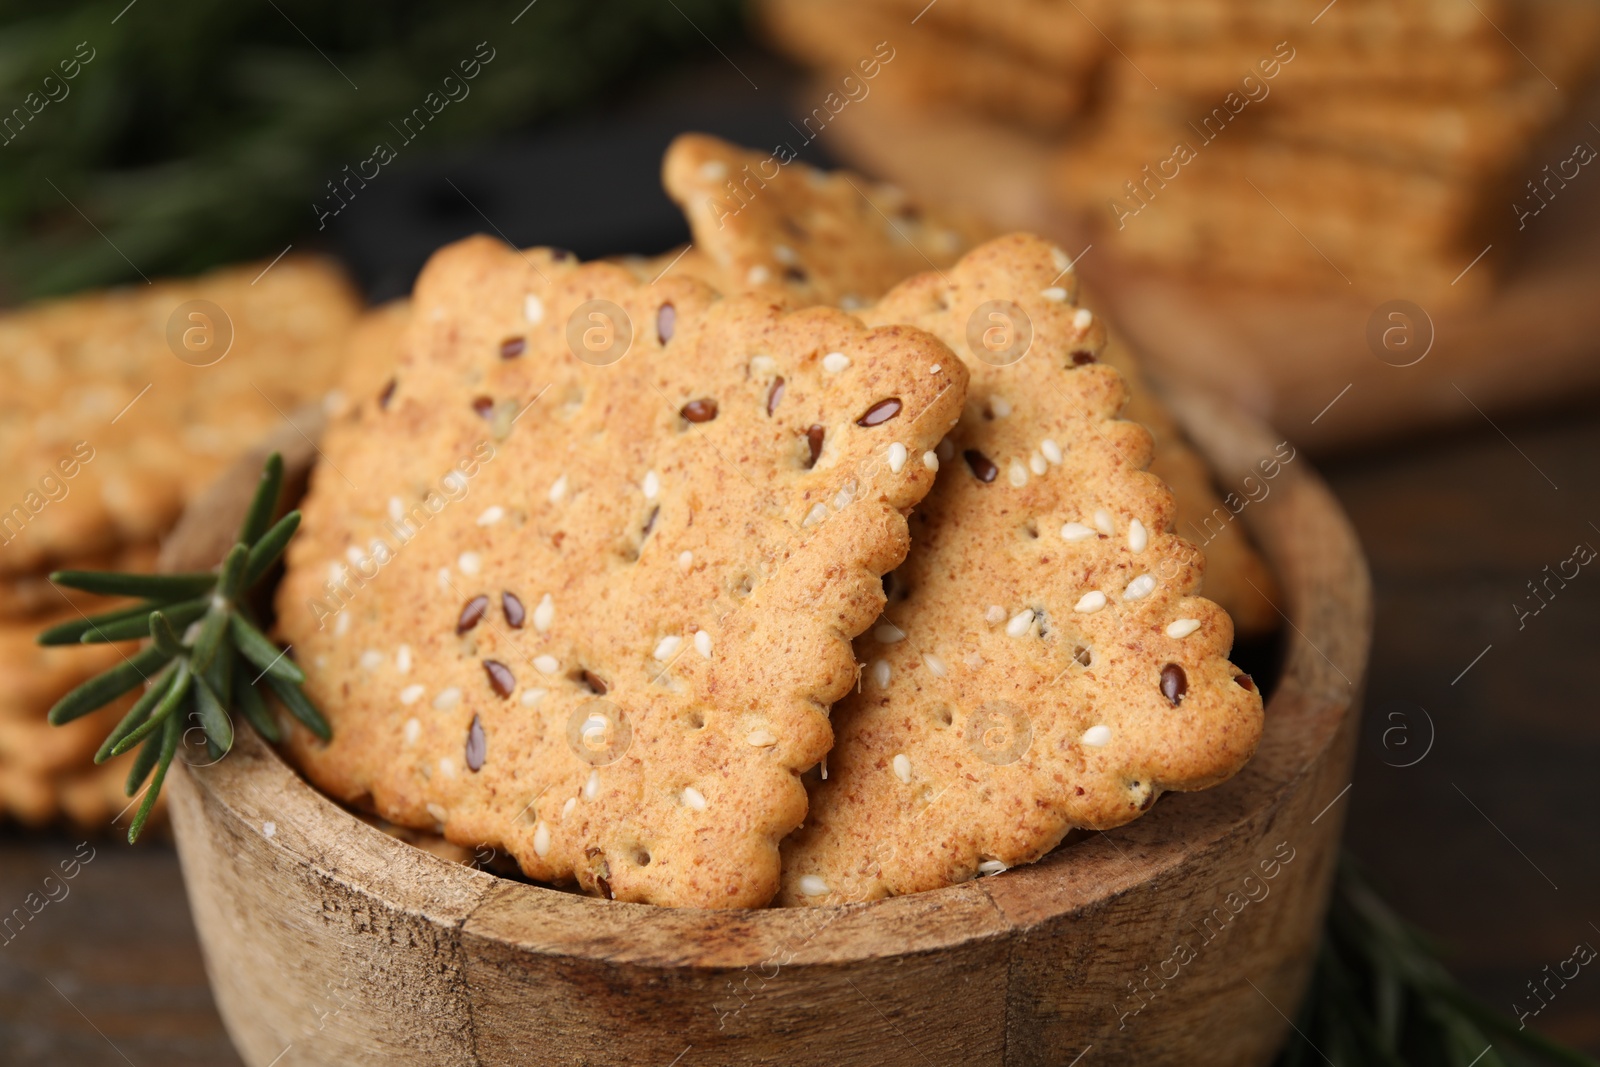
(593, 613)
(1042, 664)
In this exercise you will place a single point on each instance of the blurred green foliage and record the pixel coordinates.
(200, 132)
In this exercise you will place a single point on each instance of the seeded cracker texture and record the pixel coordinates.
(1014, 687)
(668, 601)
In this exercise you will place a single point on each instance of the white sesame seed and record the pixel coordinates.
(342, 625)
(591, 788)
(996, 613)
(533, 309)
(544, 613)
(930, 460)
(881, 673)
(1017, 474)
(1076, 531)
(491, 515)
(1102, 521)
(411, 694)
(541, 839)
(667, 647)
(1038, 464)
(842, 499)
(413, 730)
(469, 563)
(558, 490)
(454, 480)
(1056, 293)
(1097, 736)
(897, 457)
(902, 767)
(402, 659)
(713, 170)
(530, 697)
(823, 766)
(1063, 263)
(397, 509)
(353, 554)
(935, 664)
(1051, 450)
(1181, 628)
(651, 485)
(444, 578)
(1000, 406)
(785, 255)
(812, 885)
(371, 660)
(990, 867)
(336, 572)
(1138, 536)
(547, 664)
(1090, 602)
(693, 798)
(834, 362)
(447, 698)
(702, 643)
(1020, 623)
(758, 275)
(760, 738)
(817, 513)
(685, 559)
(566, 809)
(761, 366)
(438, 813)
(1140, 587)
(447, 766)
(935, 369)
(1082, 318)
(973, 660)
(887, 633)
(593, 731)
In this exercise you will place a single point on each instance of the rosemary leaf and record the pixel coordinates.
(149, 752)
(104, 688)
(179, 614)
(300, 706)
(232, 571)
(265, 552)
(169, 746)
(256, 647)
(213, 714)
(182, 678)
(247, 699)
(71, 633)
(265, 502)
(154, 586)
(209, 640)
(137, 714)
(162, 635)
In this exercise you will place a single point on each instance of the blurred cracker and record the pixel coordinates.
(26, 596)
(1059, 35)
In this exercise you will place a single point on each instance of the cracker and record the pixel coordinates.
(1013, 688)
(25, 596)
(669, 584)
(106, 430)
(1055, 33)
(372, 349)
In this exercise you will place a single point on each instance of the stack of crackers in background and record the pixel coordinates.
(120, 406)
(1355, 143)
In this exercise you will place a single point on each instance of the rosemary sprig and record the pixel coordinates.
(1380, 996)
(205, 674)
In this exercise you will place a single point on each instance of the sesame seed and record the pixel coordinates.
(558, 491)
(1102, 521)
(1038, 464)
(667, 647)
(491, 515)
(887, 633)
(897, 457)
(843, 497)
(1090, 602)
(817, 513)
(902, 767)
(834, 362)
(530, 697)
(402, 659)
(447, 698)
(447, 766)
(996, 613)
(1140, 587)
(566, 809)
(761, 366)
(1181, 628)
(591, 788)
(353, 554)
(1076, 531)
(1051, 450)
(1063, 263)
(541, 840)
(438, 813)
(812, 885)
(760, 738)
(973, 660)
(713, 170)
(336, 572)
(1017, 474)
(1082, 318)
(1138, 536)
(1020, 623)
(785, 255)
(1056, 293)
(454, 480)
(1000, 406)
(935, 664)
(702, 643)
(935, 369)
(1097, 736)
(469, 563)
(547, 664)
(533, 309)
(342, 626)
(413, 730)
(881, 673)
(693, 798)
(930, 460)
(544, 614)
(758, 275)
(594, 731)
(411, 694)
(371, 660)
(397, 509)
(651, 485)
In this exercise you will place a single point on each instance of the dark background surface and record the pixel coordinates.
(1487, 841)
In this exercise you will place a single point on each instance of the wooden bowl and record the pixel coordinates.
(1183, 938)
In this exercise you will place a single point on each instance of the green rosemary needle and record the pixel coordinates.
(205, 658)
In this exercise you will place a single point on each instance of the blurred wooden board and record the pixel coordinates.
(1299, 359)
